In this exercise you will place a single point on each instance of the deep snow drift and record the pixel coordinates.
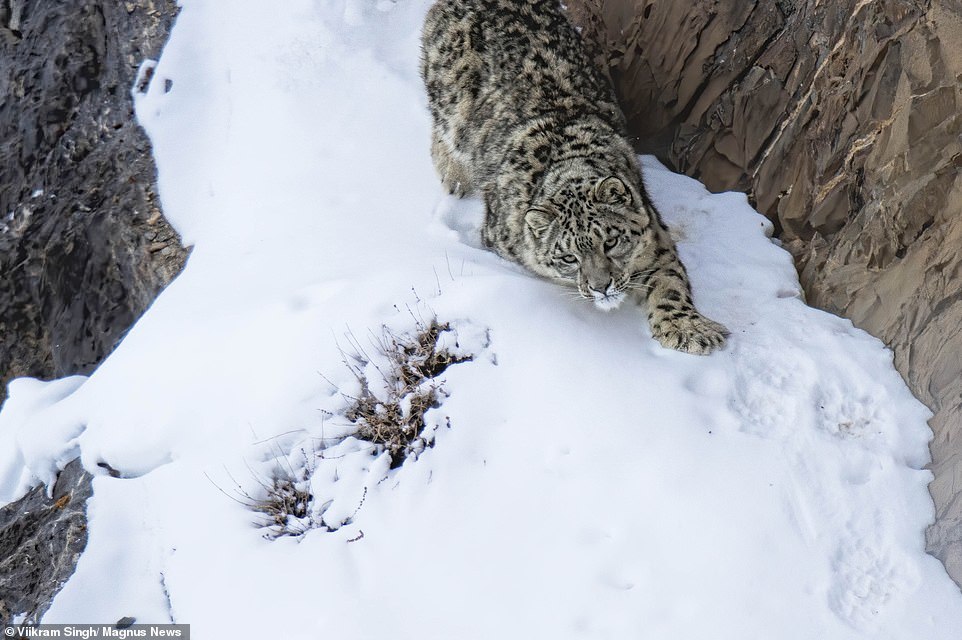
(584, 482)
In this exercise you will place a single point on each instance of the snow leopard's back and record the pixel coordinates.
(492, 66)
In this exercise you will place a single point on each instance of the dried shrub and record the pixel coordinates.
(393, 418)
(286, 507)
(399, 383)
(284, 504)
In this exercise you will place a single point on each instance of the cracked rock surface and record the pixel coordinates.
(842, 122)
(83, 246)
(41, 539)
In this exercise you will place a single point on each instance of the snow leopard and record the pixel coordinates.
(522, 118)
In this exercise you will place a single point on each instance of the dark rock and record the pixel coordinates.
(125, 623)
(77, 195)
(842, 122)
(41, 539)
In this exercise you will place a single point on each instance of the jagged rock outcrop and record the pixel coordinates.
(842, 122)
(41, 539)
(83, 246)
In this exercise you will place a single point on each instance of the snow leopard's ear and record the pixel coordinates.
(538, 219)
(612, 190)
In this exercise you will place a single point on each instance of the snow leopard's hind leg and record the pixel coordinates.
(453, 71)
(453, 174)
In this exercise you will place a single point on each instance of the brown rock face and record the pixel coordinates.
(842, 122)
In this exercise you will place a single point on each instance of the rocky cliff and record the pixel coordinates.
(842, 122)
(83, 246)
(41, 539)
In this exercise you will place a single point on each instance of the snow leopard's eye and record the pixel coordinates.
(569, 259)
(611, 243)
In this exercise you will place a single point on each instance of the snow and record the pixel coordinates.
(584, 481)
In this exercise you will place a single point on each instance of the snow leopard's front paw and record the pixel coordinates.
(691, 333)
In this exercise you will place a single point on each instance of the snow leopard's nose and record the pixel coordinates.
(602, 289)
(607, 297)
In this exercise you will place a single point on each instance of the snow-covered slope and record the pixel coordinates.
(584, 481)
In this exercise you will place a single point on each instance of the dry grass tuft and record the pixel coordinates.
(393, 419)
(285, 508)
(398, 386)
(284, 503)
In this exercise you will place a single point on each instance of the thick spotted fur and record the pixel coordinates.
(522, 118)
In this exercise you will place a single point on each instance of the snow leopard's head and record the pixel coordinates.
(589, 232)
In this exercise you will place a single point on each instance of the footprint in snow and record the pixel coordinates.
(849, 414)
(867, 577)
(767, 395)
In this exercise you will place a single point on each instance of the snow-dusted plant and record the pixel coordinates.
(397, 383)
(286, 504)
(389, 410)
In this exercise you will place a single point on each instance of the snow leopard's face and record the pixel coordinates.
(589, 233)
